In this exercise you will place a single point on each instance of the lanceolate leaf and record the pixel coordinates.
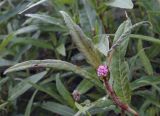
(29, 105)
(88, 17)
(121, 3)
(5, 41)
(119, 68)
(84, 44)
(46, 18)
(121, 82)
(144, 81)
(57, 108)
(84, 86)
(23, 86)
(144, 59)
(56, 64)
(64, 92)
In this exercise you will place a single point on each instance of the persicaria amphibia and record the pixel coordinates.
(102, 71)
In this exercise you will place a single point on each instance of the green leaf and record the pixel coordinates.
(13, 12)
(64, 92)
(57, 108)
(47, 91)
(121, 82)
(83, 43)
(23, 86)
(46, 18)
(144, 59)
(102, 44)
(4, 62)
(32, 41)
(61, 49)
(88, 17)
(5, 41)
(103, 103)
(32, 5)
(146, 38)
(3, 80)
(127, 4)
(84, 86)
(143, 37)
(144, 81)
(26, 29)
(56, 64)
(150, 96)
(119, 68)
(3, 105)
(29, 105)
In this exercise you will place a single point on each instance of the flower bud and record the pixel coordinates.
(102, 71)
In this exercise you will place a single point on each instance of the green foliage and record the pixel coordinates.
(82, 41)
(64, 92)
(121, 4)
(144, 59)
(70, 39)
(119, 68)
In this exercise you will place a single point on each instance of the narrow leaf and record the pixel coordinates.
(64, 92)
(57, 108)
(5, 41)
(119, 68)
(121, 4)
(29, 105)
(47, 91)
(84, 86)
(23, 86)
(144, 81)
(56, 64)
(83, 43)
(45, 18)
(144, 59)
(102, 44)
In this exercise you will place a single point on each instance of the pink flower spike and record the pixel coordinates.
(102, 71)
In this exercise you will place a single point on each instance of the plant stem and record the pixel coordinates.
(116, 100)
(122, 113)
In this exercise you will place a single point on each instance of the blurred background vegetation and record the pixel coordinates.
(34, 29)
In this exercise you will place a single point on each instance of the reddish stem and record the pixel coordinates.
(117, 101)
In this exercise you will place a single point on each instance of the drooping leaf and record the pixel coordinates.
(56, 64)
(119, 68)
(127, 4)
(64, 92)
(57, 108)
(144, 59)
(83, 43)
(23, 86)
